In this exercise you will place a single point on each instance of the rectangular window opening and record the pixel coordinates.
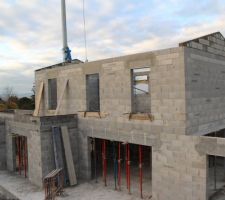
(92, 91)
(52, 94)
(140, 90)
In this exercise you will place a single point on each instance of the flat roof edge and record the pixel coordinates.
(110, 58)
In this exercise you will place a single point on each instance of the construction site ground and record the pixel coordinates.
(12, 185)
(17, 186)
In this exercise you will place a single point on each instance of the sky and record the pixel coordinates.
(31, 38)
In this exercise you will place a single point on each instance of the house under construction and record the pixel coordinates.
(151, 124)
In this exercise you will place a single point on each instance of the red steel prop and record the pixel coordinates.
(19, 151)
(128, 167)
(21, 154)
(126, 164)
(119, 167)
(140, 170)
(25, 157)
(104, 164)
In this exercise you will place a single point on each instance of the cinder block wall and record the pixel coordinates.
(167, 80)
(40, 146)
(205, 91)
(179, 171)
(47, 152)
(25, 125)
(167, 87)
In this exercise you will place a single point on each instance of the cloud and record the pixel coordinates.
(30, 31)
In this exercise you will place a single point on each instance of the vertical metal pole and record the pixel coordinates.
(92, 158)
(19, 148)
(25, 157)
(128, 165)
(215, 186)
(224, 158)
(224, 167)
(66, 50)
(64, 26)
(119, 167)
(115, 165)
(23, 153)
(104, 160)
(103, 174)
(95, 159)
(17, 154)
(215, 163)
(140, 169)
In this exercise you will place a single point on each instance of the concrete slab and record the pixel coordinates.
(24, 190)
(20, 187)
(95, 191)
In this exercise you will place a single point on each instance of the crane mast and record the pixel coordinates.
(66, 50)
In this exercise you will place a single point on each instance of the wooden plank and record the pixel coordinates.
(39, 96)
(61, 97)
(93, 114)
(69, 156)
(141, 116)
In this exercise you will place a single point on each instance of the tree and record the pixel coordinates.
(9, 99)
(33, 96)
(8, 92)
(26, 103)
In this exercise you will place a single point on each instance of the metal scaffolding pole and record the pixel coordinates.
(140, 170)
(128, 167)
(25, 157)
(119, 166)
(19, 152)
(215, 168)
(104, 164)
(215, 179)
(115, 165)
(95, 159)
(66, 50)
(126, 159)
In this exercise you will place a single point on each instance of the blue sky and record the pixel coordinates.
(30, 31)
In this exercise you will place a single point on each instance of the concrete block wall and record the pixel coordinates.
(213, 43)
(115, 84)
(167, 86)
(205, 91)
(47, 152)
(179, 171)
(40, 147)
(25, 126)
(167, 82)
